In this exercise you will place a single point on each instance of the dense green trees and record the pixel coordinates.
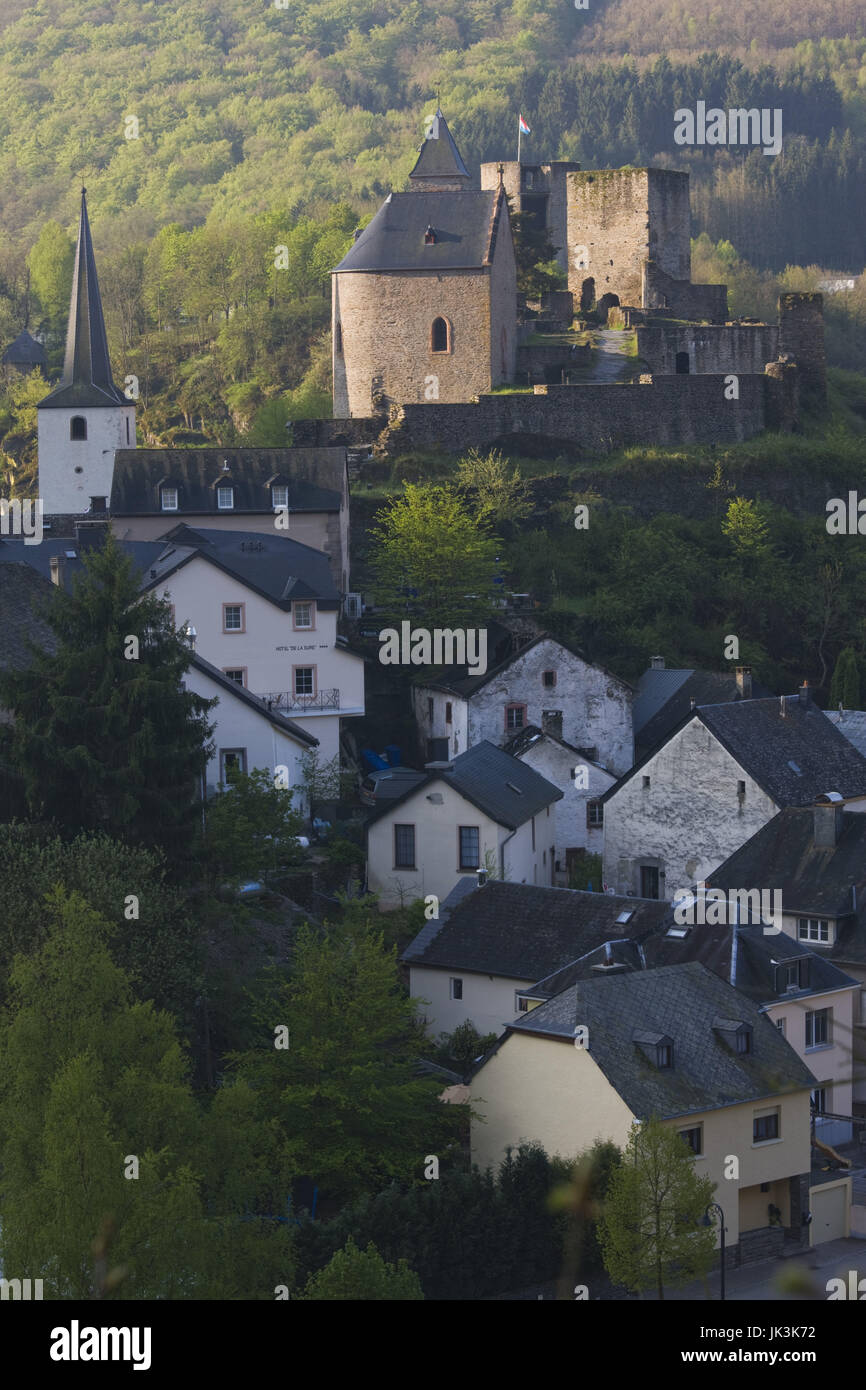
(104, 735)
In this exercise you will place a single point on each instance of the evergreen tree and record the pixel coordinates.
(535, 253)
(104, 733)
(650, 1229)
(845, 685)
(363, 1274)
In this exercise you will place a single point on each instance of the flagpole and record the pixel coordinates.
(519, 133)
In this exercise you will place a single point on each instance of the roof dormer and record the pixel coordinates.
(658, 1048)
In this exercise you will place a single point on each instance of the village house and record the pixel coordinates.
(713, 783)
(265, 613)
(681, 1044)
(816, 858)
(664, 695)
(492, 941)
(545, 684)
(482, 810)
(579, 815)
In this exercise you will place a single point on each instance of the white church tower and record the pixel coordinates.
(85, 418)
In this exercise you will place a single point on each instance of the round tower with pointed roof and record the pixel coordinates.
(86, 417)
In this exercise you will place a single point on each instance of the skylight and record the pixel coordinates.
(794, 768)
(626, 916)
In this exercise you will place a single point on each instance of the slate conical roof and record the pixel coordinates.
(439, 158)
(86, 379)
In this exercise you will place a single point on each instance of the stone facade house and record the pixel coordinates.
(715, 781)
(680, 1043)
(544, 684)
(483, 810)
(583, 782)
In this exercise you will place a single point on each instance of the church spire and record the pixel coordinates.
(439, 165)
(86, 376)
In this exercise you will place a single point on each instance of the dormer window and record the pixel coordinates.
(168, 499)
(792, 974)
(429, 236)
(280, 495)
(78, 427)
(735, 1033)
(225, 498)
(657, 1048)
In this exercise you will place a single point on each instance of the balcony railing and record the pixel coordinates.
(288, 700)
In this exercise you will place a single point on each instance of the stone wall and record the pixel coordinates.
(711, 347)
(765, 1243)
(666, 410)
(543, 362)
(682, 299)
(624, 217)
(548, 180)
(801, 333)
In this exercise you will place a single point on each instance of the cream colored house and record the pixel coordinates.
(265, 613)
(482, 811)
(677, 1042)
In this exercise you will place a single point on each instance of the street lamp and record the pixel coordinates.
(707, 1220)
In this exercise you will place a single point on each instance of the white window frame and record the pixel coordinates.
(164, 494)
(225, 506)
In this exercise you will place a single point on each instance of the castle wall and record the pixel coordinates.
(623, 217)
(503, 307)
(547, 179)
(711, 347)
(385, 322)
(801, 333)
(682, 299)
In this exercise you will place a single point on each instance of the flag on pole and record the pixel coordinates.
(524, 128)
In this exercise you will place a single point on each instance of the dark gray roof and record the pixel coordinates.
(439, 157)
(23, 596)
(240, 692)
(465, 224)
(314, 478)
(681, 1002)
(664, 697)
(851, 723)
(786, 744)
(755, 974)
(279, 569)
(25, 351)
(86, 379)
(500, 786)
(524, 932)
(523, 740)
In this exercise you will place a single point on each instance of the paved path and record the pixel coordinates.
(609, 361)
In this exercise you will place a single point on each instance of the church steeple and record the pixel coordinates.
(439, 166)
(86, 379)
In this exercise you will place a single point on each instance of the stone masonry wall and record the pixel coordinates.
(801, 333)
(624, 217)
(682, 299)
(386, 322)
(711, 347)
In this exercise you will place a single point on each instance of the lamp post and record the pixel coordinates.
(708, 1221)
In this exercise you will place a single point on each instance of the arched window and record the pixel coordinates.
(78, 427)
(440, 336)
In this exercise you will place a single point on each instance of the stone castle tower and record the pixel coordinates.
(86, 417)
(424, 305)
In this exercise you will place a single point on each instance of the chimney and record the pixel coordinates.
(744, 681)
(57, 565)
(828, 819)
(551, 722)
(657, 663)
(805, 695)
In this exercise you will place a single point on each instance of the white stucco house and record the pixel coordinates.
(545, 684)
(482, 810)
(718, 778)
(265, 612)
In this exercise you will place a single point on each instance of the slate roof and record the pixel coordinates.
(523, 740)
(482, 775)
(86, 379)
(794, 757)
(279, 569)
(524, 932)
(756, 975)
(851, 723)
(25, 351)
(23, 594)
(240, 692)
(439, 157)
(314, 478)
(682, 1002)
(465, 223)
(663, 697)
